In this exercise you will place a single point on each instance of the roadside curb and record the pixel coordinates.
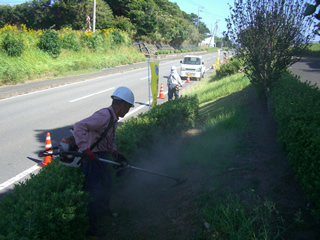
(24, 88)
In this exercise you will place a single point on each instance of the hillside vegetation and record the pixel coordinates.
(153, 21)
(61, 53)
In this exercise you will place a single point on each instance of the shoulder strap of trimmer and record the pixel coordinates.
(104, 133)
(171, 76)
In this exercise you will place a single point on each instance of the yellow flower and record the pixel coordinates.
(23, 28)
(88, 34)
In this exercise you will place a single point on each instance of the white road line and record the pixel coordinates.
(18, 177)
(60, 86)
(90, 95)
(144, 78)
(35, 167)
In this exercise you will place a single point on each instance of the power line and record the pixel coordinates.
(199, 6)
(212, 14)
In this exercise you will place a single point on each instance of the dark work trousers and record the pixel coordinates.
(172, 91)
(98, 184)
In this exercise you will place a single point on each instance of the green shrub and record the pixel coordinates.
(168, 118)
(297, 113)
(49, 205)
(118, 39)
(11, 76)
(13, 45)
(229, 68)
(50, 43)
(162, 52)
(93, 42)
(70, 41)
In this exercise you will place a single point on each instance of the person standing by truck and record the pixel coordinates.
(174, 83)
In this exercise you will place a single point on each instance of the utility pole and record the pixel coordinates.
(216, 28)
(94, 16)
(198, 16)
(213, 34)
(211, 37)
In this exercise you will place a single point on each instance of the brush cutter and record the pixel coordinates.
(123, 169)
(74, 158)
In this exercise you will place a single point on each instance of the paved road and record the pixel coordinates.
(25, 119)
(308, 68)
(9, 91)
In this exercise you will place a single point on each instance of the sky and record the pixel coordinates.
(211, 12)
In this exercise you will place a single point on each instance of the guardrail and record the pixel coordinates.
(149, 48)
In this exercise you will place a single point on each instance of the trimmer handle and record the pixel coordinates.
(73, 153)
(62, 153)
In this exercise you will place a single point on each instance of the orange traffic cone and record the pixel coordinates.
(47, 159)
(161, 95)
(188, 79)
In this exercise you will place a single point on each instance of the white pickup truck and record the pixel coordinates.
(194, 65)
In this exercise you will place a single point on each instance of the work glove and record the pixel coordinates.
(89, 156)
(120, 158)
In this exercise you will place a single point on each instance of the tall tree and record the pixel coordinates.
(35, 14)
(7, 15)
(310, 10)
(268, 33)
(71, 13)
(169, 7)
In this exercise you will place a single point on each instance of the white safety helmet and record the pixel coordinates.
(124, 94)
(173, 68)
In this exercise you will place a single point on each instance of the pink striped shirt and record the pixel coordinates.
(88, 130)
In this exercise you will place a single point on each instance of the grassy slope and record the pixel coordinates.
(239, 183)
(314, 50)
(36, 65)
(239, 187)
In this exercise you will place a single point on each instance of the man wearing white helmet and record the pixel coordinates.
(96, 135)
(174, 83)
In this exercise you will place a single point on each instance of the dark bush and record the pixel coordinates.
(50, 42)
(49, 205)
(297, 113)
(117, 38)
(170, 117)
(231, 67)
(13, 45)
